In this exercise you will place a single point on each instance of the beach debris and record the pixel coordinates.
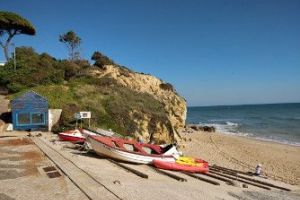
(236, 183)
(34, 134)
(258, 170)
(70, 146)
(78, 147)
(117, 182)
(245, 185)
(9, 127)
(52, 140)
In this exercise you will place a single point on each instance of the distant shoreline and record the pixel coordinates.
(278, 123)
(236, 105)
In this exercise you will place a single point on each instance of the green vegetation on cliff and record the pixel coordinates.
(69, 86)
(127, 102)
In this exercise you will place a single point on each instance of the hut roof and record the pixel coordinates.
(30, 96)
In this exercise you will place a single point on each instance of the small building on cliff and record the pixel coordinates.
(30, 112)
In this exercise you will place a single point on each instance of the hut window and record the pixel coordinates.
(37, 118)
(23, 118)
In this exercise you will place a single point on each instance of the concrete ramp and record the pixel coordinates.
(92, 188)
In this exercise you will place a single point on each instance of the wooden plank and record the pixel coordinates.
(260, 182)
(178, 178)
(136, 172)
(223, 171)
(201, 178)
(230, 170)
(227, 181)
(241, 180)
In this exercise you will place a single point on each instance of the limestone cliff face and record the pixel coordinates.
(174, 105)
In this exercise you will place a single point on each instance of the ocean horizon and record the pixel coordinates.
(277, 122)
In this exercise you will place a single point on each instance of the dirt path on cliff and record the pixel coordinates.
(3, 112)
(3, 104)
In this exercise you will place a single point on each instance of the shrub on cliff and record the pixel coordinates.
(32, 70)
(101, 60)
(35, 69)
(167, 86)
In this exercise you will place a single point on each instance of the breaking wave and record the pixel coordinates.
(226, 127)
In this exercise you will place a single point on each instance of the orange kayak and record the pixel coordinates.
(197, 166)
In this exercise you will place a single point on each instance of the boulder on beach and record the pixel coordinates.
(202, 128)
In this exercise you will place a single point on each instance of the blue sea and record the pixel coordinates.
(272, 122)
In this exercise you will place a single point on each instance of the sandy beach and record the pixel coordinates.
(279, 161)
(122, 184)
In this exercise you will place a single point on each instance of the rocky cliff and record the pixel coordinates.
(174, 105)
(130, 103)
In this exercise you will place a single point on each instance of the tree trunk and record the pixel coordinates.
(5, 49)
(6, 44)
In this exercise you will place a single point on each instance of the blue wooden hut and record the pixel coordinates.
(30, 112)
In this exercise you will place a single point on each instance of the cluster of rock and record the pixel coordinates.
(202, 128)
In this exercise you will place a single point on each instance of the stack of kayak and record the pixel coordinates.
(165, 157)
(187, 164)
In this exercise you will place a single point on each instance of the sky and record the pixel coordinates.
(219, 52)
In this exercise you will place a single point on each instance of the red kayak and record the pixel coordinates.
(74, 136)
(185, 164)
(79, 135)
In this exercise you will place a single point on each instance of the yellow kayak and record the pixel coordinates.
(183, 160)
